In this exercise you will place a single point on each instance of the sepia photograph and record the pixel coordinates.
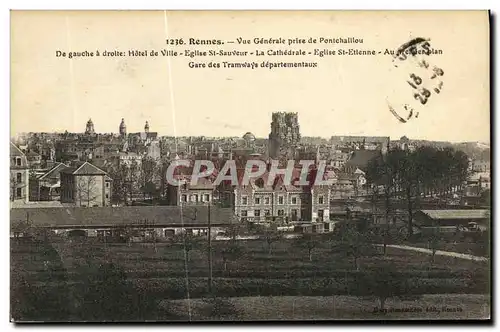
(249, 166)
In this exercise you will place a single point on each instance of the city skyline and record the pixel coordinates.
(135, 128)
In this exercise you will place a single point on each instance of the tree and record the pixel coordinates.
(308, 242)
(133, 176)
(13, 188)
(233, 230)
(162, 169)
(383, 282)
(87, 190)
(413, 174)
(148, 172)
(270, 236)
(354, 244)
(188, 242)
(434, 241)
(231, 251)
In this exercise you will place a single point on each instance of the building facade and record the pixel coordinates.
(85, 185)
(278, 202)
(19, 175)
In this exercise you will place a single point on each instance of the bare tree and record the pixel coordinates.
(434, 242)
(309, 242)
(87, 190)
(148, 173)
(231, 251)
(354, 244)
(270, 236)
(13, 188)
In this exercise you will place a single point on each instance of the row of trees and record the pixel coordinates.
(132, 178)
(410, 175)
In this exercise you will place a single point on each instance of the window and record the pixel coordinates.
(281, 213)
(257, 213)
(267, 213)
(184, 198)
(294, 200)
(207, 198)
(257, 200)
(321, 200)
(280, 200)
(267, 201)
(19, 193)
(107, 184)
(19, 177)
(107, 195)
(294, 214)
(18, 161)
(244, 200)
(244, 213)
(194, 198)
(321, 214)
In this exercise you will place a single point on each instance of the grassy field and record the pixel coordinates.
(470, 248)
(165, 272)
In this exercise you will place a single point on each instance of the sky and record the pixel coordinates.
(343, 95)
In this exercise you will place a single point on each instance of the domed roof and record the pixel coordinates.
(90, 121)
(249, 137)
(122, 124)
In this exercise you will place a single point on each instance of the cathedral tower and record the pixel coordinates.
(285, 133)
(89, 129)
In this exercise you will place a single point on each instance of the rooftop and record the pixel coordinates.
(456, 214)
(119, 216)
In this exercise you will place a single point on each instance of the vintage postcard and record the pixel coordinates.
(250, 166)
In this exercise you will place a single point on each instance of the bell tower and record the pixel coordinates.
(123, 129)
(89, 129)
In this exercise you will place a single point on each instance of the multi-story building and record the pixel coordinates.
(260, 201)
(85, 185)
(19, 175)
(34, 159)
(188, 194)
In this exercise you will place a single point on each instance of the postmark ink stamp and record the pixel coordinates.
(424, 79)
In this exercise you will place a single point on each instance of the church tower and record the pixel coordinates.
(89, 129)
(285, 133)
(146, 128)
(123, 129)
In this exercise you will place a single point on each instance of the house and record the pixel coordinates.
(47, 187)
(19, 175)
(191, 194)
(34, 159)
(85, 185)
(360, 159)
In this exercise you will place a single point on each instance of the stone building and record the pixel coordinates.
(85, 185)
(89, 129)
(281, 202)
(285, 134)
(188, 194)
(19, 175)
